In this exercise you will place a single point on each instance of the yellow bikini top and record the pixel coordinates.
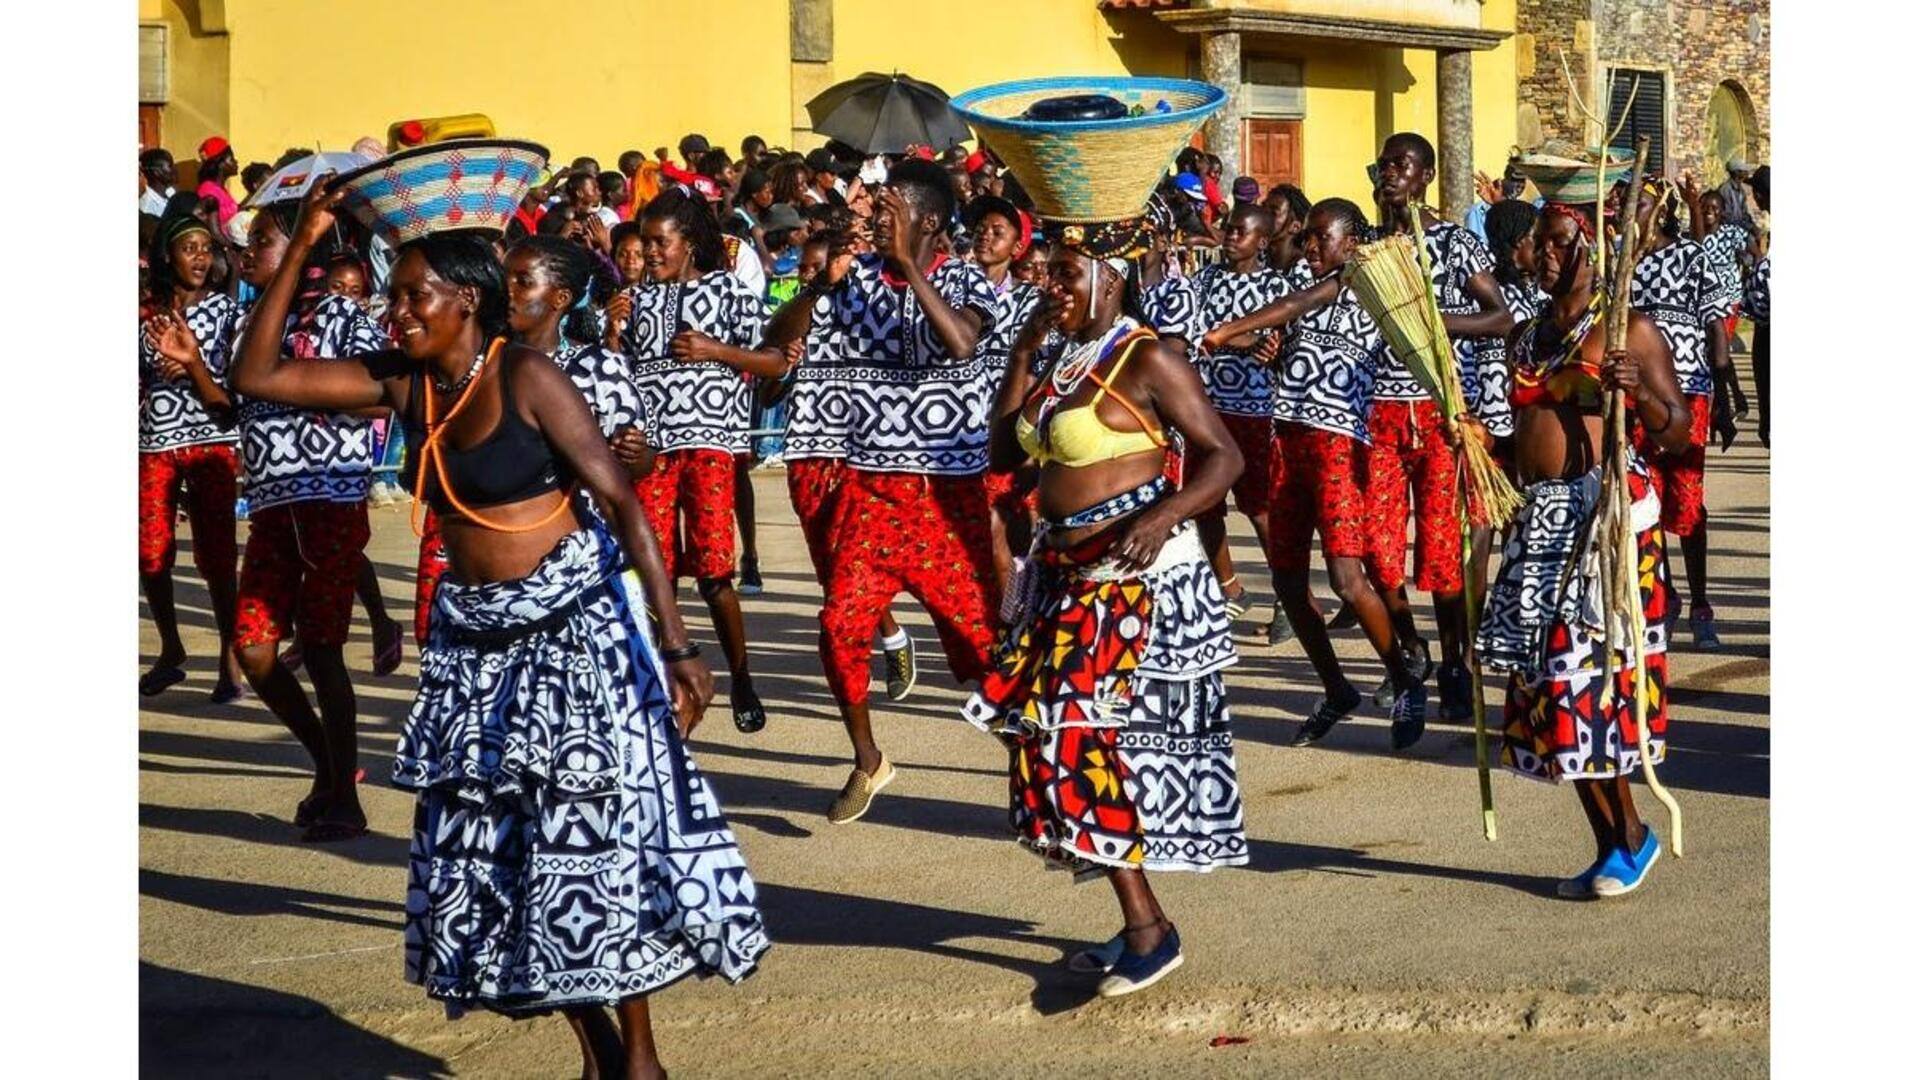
(1077, 437)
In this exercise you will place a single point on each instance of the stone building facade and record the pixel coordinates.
(1712, 56)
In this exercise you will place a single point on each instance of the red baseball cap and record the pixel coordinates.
(213, 147)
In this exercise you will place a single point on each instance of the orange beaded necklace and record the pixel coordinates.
(432, 456)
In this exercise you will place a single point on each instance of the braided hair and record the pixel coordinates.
(694, 223)
(571, 269)
(1349, 215)
(1508, 223)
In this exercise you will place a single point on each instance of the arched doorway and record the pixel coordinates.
(1730, 124)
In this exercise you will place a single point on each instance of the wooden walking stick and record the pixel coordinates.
(1613, 524)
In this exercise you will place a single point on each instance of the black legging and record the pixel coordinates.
(1762, 359)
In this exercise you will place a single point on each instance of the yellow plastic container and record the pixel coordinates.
(432, 129)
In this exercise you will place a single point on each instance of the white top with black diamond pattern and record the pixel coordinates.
(703, 405)
(820, 405)
(1456, 255)
(171, 414)
(916, 409)
(1679, 288)
(1326, 378)
(306, 455)
(604, 379)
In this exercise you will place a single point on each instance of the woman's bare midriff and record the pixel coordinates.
(1066, 490)
(1556, 442)
(479, 555)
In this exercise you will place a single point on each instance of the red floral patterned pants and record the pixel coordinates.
(814, 486)
(692, 488)
(210, 474)
(1254, 435)
(303, 560)
(926, 536)
(1319, 482)
(1409, 452)
(1681, 479)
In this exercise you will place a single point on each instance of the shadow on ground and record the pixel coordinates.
(199, 1027)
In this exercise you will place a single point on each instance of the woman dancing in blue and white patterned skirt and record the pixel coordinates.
(567, 855)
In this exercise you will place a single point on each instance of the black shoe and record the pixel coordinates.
(1409, 715)
(750, 584)
(1344, 619)
(749, 715)
(1421, 666)
(1321, 720)
(1456, 693)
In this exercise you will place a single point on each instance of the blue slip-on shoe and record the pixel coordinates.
(1622, 872)
(1100, 959)
(1580, 887)
(1136, 972)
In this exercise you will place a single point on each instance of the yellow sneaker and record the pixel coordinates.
(857, 797)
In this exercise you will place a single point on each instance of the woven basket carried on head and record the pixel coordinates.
(1565, 179)
(460, 184)
(1089, 170)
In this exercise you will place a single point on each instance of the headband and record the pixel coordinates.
(180, 226)
(1565, 210)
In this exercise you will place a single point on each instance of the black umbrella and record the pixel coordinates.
(885, 114)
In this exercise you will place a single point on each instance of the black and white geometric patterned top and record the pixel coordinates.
(916, 409)
(1456, 255)
(1236, 382)
(820, 405)
(1015, 301)
(604, 379)
(1680, 290)
(306, 455)
(1172, 308)
(1759, 291)
(1726, 249)
(704, 405)
(1491, 367)
(171, 414)
(1333, 354)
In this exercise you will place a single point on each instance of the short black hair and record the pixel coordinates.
(466, 257)
(1762, 182)
(692, 146)
(1262, 217)
(713, 164)
(255, 174)
(575, 181)
(1298, 205)
(153, 159)
(1348, 214)
(631, 160)
(626, 230)
(1413, 140)
(752, 145)
(927, 186)
(1188, 158)
(1508, 222)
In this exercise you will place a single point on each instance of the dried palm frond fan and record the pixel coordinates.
(1392, 279)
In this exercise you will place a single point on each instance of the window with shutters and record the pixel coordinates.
(1639, 97)
(153, 65)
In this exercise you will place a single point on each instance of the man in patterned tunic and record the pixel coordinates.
(1237, 380)
(1409, 445)
(1675, 283)
(913, 509)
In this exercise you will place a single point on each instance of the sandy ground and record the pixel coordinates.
(1375, 934)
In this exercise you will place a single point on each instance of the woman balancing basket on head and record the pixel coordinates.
(1107, 682)
(566, 853)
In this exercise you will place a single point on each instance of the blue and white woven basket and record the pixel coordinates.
(1089, 170)
(459, 184)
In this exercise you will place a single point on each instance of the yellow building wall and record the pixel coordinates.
(198, 75)
(631, 75)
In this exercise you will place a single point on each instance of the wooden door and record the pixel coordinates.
(1272, 152)
(149, 126)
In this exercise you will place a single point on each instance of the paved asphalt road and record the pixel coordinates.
(1375, 934)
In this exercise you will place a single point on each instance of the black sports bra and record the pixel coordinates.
(511, 464)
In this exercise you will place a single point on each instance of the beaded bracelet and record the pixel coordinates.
(684, 652)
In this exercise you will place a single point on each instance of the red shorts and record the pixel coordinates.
(427, 574)
(211, 474)
(1410, 453)
(1011, 493)
(926, 536)
(303, 561)
(1681, 479)
(1319, 483)
(691, 488)
(1254, 436)
(814, 486)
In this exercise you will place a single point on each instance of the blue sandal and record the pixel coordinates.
(1135, 972)
(1100, 959)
